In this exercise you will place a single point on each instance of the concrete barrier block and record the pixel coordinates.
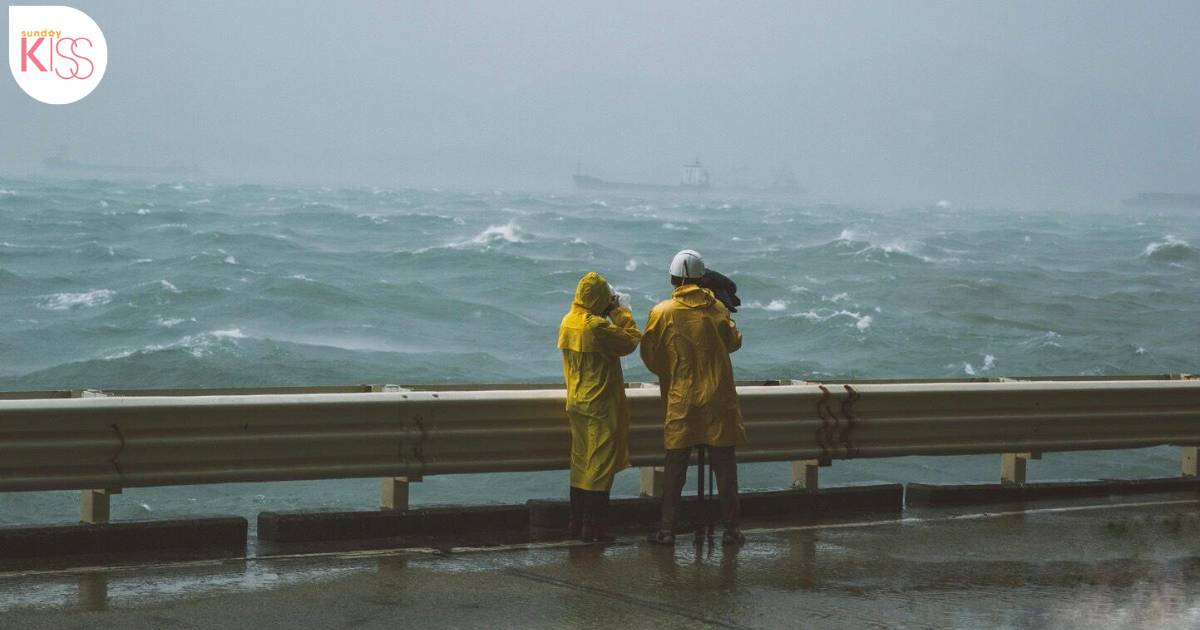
(933, 495)
(195, 533)
(436, 523)
(1162, 484)
(846, 500)
(936, 495)
(325, 526)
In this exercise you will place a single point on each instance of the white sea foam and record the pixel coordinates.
(68, 301)
(632, 265)
(230, 260)
(166, 284)
(169, 226)
(849, 237)
(103, 204)
(773, 306)
(142, 261)
(861, 322)
(171, 322)
(1169, 248)
(508, 233)
(198, 202)
(143, 211)
(836, 298)
(198, 346)
(1049, 339)
(7, 193)
(300, 276)
(989, 362)
(677, 228)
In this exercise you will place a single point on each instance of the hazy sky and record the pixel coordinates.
(980, 103)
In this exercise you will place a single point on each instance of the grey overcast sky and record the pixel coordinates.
(895, 102)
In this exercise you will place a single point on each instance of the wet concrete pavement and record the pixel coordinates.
(1128, 563)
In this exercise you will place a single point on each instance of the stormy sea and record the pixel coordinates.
(107, 284)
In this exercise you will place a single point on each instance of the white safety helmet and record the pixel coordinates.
(687, 264)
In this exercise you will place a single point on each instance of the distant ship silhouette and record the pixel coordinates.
(61, 162)
(695, 178)
(1164, 200)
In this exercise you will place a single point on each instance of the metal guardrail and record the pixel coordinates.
(101, 443)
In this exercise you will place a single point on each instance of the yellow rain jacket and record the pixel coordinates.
(687, 343)
(592, 347)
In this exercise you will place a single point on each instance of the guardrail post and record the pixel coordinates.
(1012, 466)
(805, 473)
(393, 492)
(94, 506)
(1191, 461)
(652, 480)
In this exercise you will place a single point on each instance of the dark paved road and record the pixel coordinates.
(1134, 563)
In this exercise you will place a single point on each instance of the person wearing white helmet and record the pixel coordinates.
(687, 342)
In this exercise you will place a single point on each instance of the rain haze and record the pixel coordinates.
(985, 104)
(283, 256)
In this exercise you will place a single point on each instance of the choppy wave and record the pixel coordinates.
(68, 301)
(1170, 249)
(856, 320)
(446, 271)
(507, 233)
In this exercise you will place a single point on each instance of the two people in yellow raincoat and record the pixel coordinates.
(687, 343)
(593, 337)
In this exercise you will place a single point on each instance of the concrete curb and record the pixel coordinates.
(194, 533)
(935, 495)
(548, 518)
(435, 523)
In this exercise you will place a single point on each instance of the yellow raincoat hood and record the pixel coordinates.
(591, 298)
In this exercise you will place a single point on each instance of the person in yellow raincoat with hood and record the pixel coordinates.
(593, 337)
(687, 343)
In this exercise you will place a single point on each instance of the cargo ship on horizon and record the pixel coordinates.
(1165, 200)
(695, 178)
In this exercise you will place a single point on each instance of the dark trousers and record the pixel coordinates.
(724, 466)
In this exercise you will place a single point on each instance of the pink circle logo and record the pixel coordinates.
(57, 54)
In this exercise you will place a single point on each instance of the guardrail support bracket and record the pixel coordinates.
(393, 492)
(652, 480)
(1191, 461)
(804, 473)
(94, 505)
(1012, 467)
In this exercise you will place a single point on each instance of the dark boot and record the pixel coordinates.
(575, 521)
(586, 499)
(600, 531)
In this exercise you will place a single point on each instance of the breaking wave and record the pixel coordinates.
(68, 301)
(1169, 249)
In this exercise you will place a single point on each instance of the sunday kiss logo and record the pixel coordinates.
(57, 54)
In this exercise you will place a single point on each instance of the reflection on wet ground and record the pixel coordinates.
(1130, 564)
